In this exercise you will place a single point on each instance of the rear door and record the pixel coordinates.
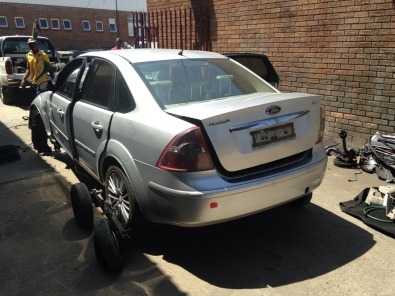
(60, 103)
(93, 112)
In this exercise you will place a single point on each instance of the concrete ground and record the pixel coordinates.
(317, 250)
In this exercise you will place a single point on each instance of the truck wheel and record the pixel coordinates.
(39, 135)
(107, 247)
(119, 193)
(6, 96)
(81, 203)
(302, 201)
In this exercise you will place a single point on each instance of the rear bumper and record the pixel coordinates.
(193, 208)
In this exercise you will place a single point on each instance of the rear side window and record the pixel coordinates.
(98, 87)
(125, 102)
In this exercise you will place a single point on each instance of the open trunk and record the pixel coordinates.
(252, 130)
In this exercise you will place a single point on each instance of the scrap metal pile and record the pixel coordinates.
(375, 206)
(377, 156)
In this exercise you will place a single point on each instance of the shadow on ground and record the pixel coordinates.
(276, 248)
(43, 252)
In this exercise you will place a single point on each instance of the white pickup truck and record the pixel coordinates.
(13, 50)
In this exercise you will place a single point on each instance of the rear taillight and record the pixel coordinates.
(187, 152)
(322, 126)
(8, 67)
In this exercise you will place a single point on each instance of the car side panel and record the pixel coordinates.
(59, 112)
(41, 102)
(88, 141)
(120, 153)
(137, 140)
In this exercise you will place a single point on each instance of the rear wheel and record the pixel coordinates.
(6, 96)
(39, 135)
(107, 246)
(120, 196)
(81, 203)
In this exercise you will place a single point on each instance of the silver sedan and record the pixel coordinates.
(188, 138)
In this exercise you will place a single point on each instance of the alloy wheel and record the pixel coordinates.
(118, 196)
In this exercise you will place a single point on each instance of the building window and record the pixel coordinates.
(55, 24)
(112, 25)
(19, 22)
(86, 25)
(99, 26)
(43, 22)
(3, 22)
(67, 25)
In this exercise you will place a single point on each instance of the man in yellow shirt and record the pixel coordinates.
(37, 67)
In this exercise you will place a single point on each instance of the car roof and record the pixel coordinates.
(21, 36)
(244, 54)
(155, 54)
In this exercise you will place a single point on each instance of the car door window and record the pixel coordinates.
(67, 79)
(125, 102)
(98, 88)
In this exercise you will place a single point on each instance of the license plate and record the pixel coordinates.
(272, 134)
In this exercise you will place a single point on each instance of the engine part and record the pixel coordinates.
(346, 158)
(374, 197)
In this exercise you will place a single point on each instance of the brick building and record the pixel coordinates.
(72, 24)
(343, 50)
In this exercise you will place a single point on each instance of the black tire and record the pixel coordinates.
(107, 247)
(302, 201)
(81, 203)
(7, 96)
(39, 135)
(135, 218)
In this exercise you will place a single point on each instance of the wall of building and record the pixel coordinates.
(343, 50)
(63, 39)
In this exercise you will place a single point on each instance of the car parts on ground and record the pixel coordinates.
(109, 232)
(375, 207)
(344, 157)
(377, 156)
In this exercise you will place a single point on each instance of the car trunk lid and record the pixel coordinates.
(252, 130)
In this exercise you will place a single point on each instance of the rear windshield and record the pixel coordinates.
(188, 81)
(19, 46)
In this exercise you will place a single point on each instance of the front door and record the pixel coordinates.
(92, 113)
(60, 103)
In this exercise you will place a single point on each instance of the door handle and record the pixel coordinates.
(60, 112)
(97, 128)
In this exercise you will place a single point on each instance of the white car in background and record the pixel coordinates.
(13, 50)
(188, 138)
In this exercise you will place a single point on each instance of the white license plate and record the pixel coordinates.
(272, 134)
